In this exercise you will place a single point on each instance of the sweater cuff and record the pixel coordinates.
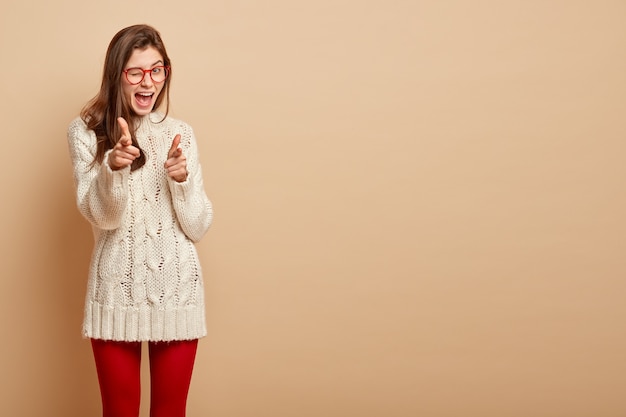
(180, 190)
(115, 177)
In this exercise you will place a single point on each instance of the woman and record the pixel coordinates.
(139, 183)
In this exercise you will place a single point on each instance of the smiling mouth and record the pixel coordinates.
(144, 99)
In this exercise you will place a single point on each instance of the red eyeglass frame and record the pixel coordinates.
(167, 69)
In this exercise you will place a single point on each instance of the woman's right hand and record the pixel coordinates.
(123, 153)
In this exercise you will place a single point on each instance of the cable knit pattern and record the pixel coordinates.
(145, 281)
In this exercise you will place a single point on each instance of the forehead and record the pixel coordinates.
(144, 58)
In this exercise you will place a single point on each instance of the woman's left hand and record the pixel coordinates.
(176, 164)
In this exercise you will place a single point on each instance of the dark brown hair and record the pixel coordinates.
(101, 113)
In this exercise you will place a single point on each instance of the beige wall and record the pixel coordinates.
(419, 204)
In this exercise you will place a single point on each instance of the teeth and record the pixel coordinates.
(145, 94)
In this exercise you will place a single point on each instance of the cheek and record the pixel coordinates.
(128, 92)
(159, 91)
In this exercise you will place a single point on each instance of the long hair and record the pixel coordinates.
(101, 113)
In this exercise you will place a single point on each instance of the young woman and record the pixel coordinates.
(139, 183)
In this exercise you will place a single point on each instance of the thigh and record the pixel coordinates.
(119, 372)
(171, 367)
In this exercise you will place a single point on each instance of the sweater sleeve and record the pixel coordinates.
(193, 208)
(101, 193)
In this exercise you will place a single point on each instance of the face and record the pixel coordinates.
(142, 96)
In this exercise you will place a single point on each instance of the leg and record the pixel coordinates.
(171, 366)
(118, 365)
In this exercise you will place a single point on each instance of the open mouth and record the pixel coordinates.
(144, 99)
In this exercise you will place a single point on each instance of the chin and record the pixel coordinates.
(141, 112)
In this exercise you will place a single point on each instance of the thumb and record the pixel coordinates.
(126, 139)
(174, 147)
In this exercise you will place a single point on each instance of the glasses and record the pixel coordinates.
(136, 75)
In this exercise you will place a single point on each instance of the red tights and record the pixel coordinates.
(118, 366)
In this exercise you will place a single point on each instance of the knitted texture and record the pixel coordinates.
(145, 281)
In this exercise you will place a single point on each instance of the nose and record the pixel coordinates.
(147, 80)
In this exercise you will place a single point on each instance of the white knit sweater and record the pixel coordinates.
(145, 281)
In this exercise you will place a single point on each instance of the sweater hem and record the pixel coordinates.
(143, 323)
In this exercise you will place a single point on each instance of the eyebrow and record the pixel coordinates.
(153, 65)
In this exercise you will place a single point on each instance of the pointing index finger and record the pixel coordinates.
(174, 147)
(126, 138)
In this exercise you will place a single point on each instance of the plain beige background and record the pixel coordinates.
(419, 204)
